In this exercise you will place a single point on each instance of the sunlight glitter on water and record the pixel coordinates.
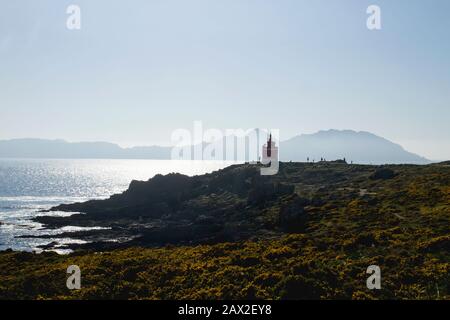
(28, 186)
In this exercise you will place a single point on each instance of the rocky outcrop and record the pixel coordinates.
(383, 174)
(232, 204)
(293, 216)
(223, 206)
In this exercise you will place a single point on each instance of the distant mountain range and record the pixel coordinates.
(60, 149)
(359, 147)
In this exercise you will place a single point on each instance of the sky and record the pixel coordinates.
(137, 70)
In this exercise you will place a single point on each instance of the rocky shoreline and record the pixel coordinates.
(232, 204)
(175, 209)
(309, 232)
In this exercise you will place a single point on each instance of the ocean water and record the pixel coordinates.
(28, 186)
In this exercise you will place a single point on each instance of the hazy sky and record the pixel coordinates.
(137, 70)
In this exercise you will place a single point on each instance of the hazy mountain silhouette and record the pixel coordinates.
(60, 149)
(359, 147)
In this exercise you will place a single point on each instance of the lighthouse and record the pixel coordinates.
(269, 151)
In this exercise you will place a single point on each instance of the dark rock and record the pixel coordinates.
(383, 174)
(226, 205)
(292, 216)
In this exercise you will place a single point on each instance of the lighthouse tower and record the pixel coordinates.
(269, 151)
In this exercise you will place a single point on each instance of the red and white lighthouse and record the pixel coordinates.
(269, 151)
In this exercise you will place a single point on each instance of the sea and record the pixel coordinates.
(28, 186)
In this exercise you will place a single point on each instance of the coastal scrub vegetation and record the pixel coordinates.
(315, 228)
